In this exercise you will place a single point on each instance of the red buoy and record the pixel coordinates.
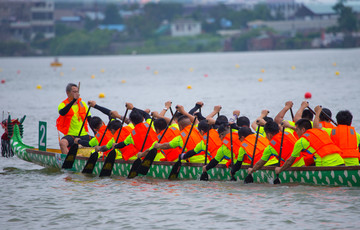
(308, 95)
(2, 81)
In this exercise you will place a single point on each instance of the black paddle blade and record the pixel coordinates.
(232, 178)
(90, 164)
(204, 176)
(134, 167)
(277, 180)
(175, 171)
(249, 179)
(70, 157)
(108, 164)
(147, 162)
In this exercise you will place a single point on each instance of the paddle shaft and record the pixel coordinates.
(188, 137)
(147, 133)
(256, 139)
(102, 138)
(292, 114)
(207, 145)
(325, 114)
(231, 148)
(171, 111)
(122, 124)
(281, 145)
(171, 120)
(82, 126)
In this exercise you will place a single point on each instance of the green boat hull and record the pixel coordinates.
(333, 176)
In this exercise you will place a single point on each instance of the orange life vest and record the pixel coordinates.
(248, 145)
(214, 143)
(170, 154)
(138, 134)
(345, 138)
(194, 138)
(325, 124)
(63, 122)
(108, 136)
(236, 144)
(129, 150)
(287, 148)
(321, 142)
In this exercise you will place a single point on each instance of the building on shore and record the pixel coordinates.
(23, 20)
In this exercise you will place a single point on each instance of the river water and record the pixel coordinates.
(33, 197)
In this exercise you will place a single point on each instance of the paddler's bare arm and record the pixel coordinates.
(298, 114)
(216, 110)
(115, 114)
(257, 166)
(181, 110)
(286, 165)
(280, 116)
(162, 146)
(260, 119)
(317, 110)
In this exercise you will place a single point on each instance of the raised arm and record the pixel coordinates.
(317, 110)
(280, 116)
(298, 114)
(260, 119)
(181, 110)
(216, 110)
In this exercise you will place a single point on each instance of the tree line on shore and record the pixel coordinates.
(140, 35)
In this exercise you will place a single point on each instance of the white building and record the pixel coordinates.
(185, 27)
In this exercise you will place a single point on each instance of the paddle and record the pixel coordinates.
(70, 157)
(149, 158)
(232, 154)
(171, 111)
(277, 180)
(110, 159)
(292, 114)
(249, 178)
(176, 168)
(137, 162)
(205, 176)
(90, 164)
(325, 114)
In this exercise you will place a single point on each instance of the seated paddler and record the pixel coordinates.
(270, 155)
(315, 143)
(184, 123)
(137, 136)
(344, 135)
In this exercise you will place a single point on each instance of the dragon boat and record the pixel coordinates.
(331, 176)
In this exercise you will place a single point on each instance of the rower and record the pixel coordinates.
(224, 151)
(344, 135)
(137, 135)
(315, 143)
(270, 155)
(98, 127)
(72, 112)
(171, 154)
(214, 143)
(246, 150)
(184, 123)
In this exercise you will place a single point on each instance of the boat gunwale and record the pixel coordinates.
(167, 163)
